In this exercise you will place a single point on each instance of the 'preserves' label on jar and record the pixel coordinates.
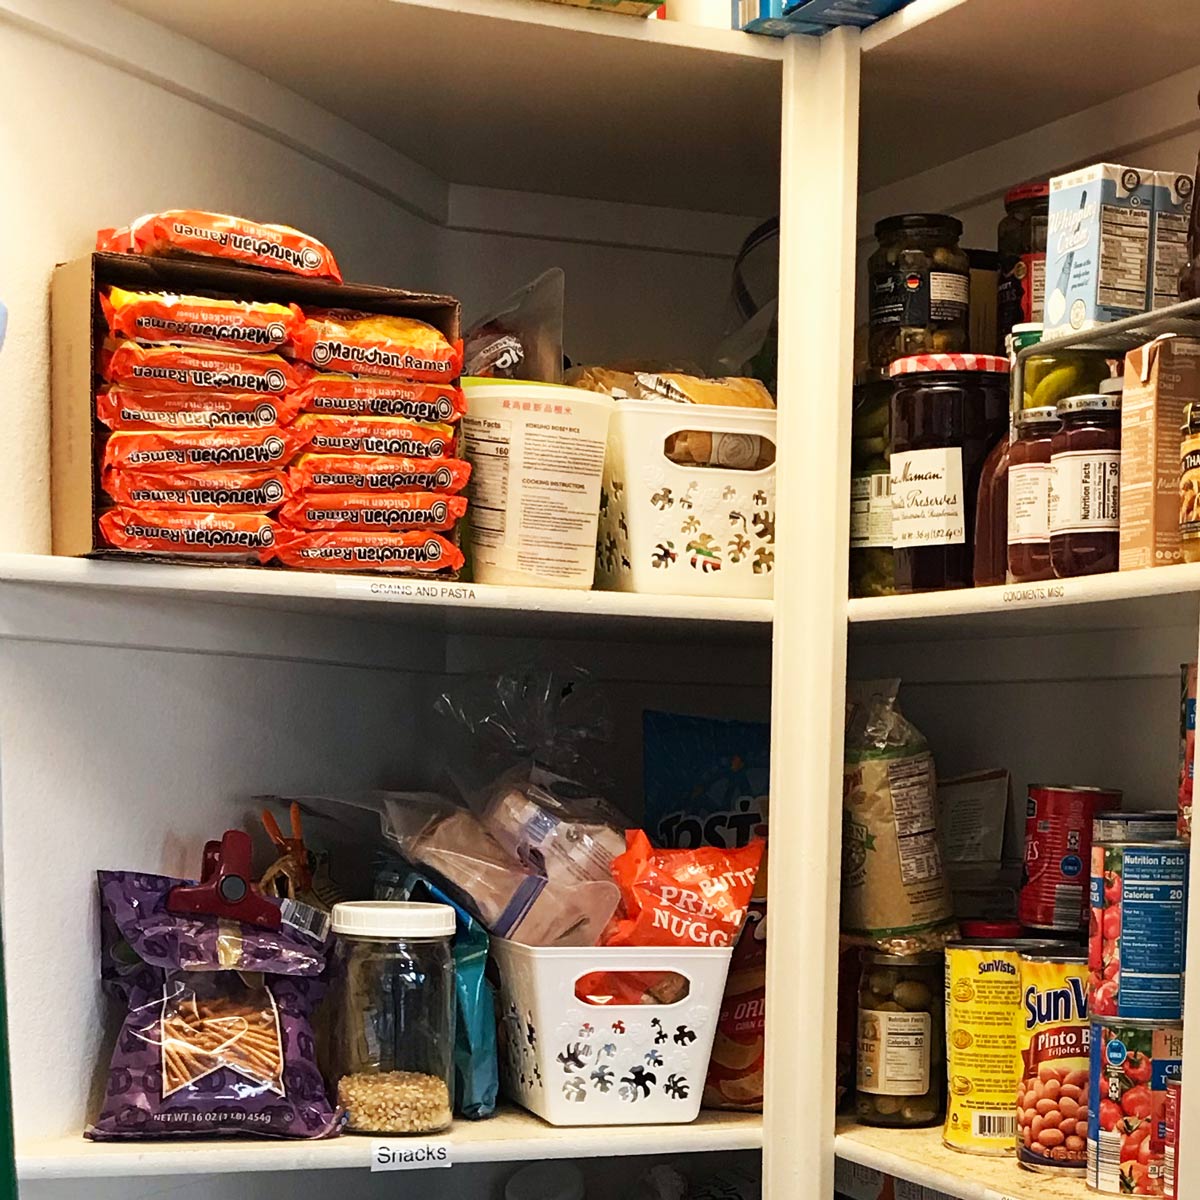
(1085, 491)
(927, 498)
(893, 1052)
(1028, 504)
(871, 510)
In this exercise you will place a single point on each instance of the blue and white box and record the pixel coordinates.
(843, 12)
(1172, 215)
(766, 17)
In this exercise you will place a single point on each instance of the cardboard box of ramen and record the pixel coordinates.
(1160, 378)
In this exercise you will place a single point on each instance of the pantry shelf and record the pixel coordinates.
(511, 1136)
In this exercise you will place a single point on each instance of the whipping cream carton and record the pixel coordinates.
(1172, 214)
(1098, 247)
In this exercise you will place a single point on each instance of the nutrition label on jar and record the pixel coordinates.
(893, 1052)
(870, 510)
(1085, 491)
(1028, 503)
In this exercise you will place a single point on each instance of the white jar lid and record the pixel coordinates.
(393, 919)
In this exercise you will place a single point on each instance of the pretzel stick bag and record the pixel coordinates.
(216, 1039)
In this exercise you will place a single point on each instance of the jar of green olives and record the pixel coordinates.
(919, 289)
(871, 566)
(901, 1039)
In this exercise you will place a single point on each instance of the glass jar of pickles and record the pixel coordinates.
(1056, 374)
(901, 1039)
(919, 289)
(871, 570)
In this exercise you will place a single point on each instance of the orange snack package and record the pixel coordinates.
(199, 320)
(389, 436)
(378, 396)
(216, 491)
(695, 897)
(195, 450)
(213, 534)
(356, 473)
(370, 551)
(377, 344)
(189, 231)
(357, 510)
(194, 368)
(122, 409)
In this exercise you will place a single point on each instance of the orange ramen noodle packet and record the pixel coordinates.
(357, 473)
(122, 409)
(217, 491)
(227, 535)
(199, 320)
(366, 551)
(193, 232)
(377, 344)
(194, 368)
(377, 396)
(200, 449)
(354, 510)
(374, 435)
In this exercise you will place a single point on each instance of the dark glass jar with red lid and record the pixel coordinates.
(948, 411)
(1021, 240)
(1029, 495)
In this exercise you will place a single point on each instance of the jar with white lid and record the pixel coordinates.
(391, 1007)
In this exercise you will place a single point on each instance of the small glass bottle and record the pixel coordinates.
(1029, 495)
(1085, 486)
(1021, 240)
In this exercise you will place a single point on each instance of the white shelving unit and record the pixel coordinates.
(463, 147)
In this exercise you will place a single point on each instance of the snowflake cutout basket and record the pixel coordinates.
(577, 1063)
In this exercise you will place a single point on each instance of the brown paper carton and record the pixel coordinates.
(1160, 378)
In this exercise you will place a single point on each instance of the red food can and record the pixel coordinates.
(1058, 853)
(1171, 1139)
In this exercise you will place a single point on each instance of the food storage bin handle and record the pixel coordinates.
(226, 888)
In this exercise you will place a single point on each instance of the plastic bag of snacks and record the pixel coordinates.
(197, 369)
(216, 491)
(385, 436)
(193, 232)
(359, 473)
(377, 344)
(370, 550)
(249, 325)
(232, 536)
(124, 410)
(521, 338)
(200, 449)
(352, 510)
(378, 396)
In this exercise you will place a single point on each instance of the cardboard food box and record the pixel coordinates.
(1160, 378)
(78, 330)
(1172, 215)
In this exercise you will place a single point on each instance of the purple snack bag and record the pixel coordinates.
(216, 1039)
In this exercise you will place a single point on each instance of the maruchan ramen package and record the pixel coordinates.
(366, 551)
(122, 409)
(200, 449)
(359, 473)
(215, 491)
(390, 436)
(377, 344)
(199, 320)
(355, 510)
(216, 1038)
(195, 233)
(171, 368)
(378, 396)
(224, 535)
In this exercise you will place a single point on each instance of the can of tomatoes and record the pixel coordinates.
(1132, 1064)
(1137, 931)
(1058, 847)
(1171, 1147)
(1054, 1040)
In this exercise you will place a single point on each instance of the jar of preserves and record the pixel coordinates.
(920, 284)
(1029, 495)
(1085, 491)
(901, 1039)
(1021, 241)
(391, 1002)
(947, 412)
(871, 571)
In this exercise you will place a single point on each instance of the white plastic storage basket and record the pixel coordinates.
(575, 1063)
(686, 530)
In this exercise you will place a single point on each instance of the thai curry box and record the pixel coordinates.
(208, 412)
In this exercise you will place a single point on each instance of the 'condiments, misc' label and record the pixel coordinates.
(1028, 503)
(1085, 491)
(870, 510)
(927, 498)
(893, 1052)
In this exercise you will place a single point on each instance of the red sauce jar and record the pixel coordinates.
(1085, 486)
(1029, 495)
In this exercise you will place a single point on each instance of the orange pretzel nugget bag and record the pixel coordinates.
(354, 510)
(374, 435)
(170, 368)
(193, 450)
(199, 320)
(378, 396)
(356, 473)
(377, 344)
(217, 491)
(226, 535)
(122, 409)
(189, 231)
(370, 551)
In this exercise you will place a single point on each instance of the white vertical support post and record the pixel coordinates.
(818, 203)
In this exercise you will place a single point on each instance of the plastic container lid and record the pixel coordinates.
(915, 364)
(919, 221)
(392, 919)
(474, 385)
(546, 1181)
(1034, 189)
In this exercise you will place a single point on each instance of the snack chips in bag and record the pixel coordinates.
(357, 473)
(366, 551)
(378, 396)
(228, 535)
(171, 368)
(377, 344)
(200, 449)
(356, 510)
(122, 409)
(216, 491)
(388, 436)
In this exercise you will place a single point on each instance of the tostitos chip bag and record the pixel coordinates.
(355, 510)
(216, 491)
(194, 368)
(226, 535)
(693, 897)
(200, 449)
(374, 435)
(378, 396)
(122, 409)
(377, 344)
(366, 551)
(199, 320)
(189, 231)
(356, 473)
